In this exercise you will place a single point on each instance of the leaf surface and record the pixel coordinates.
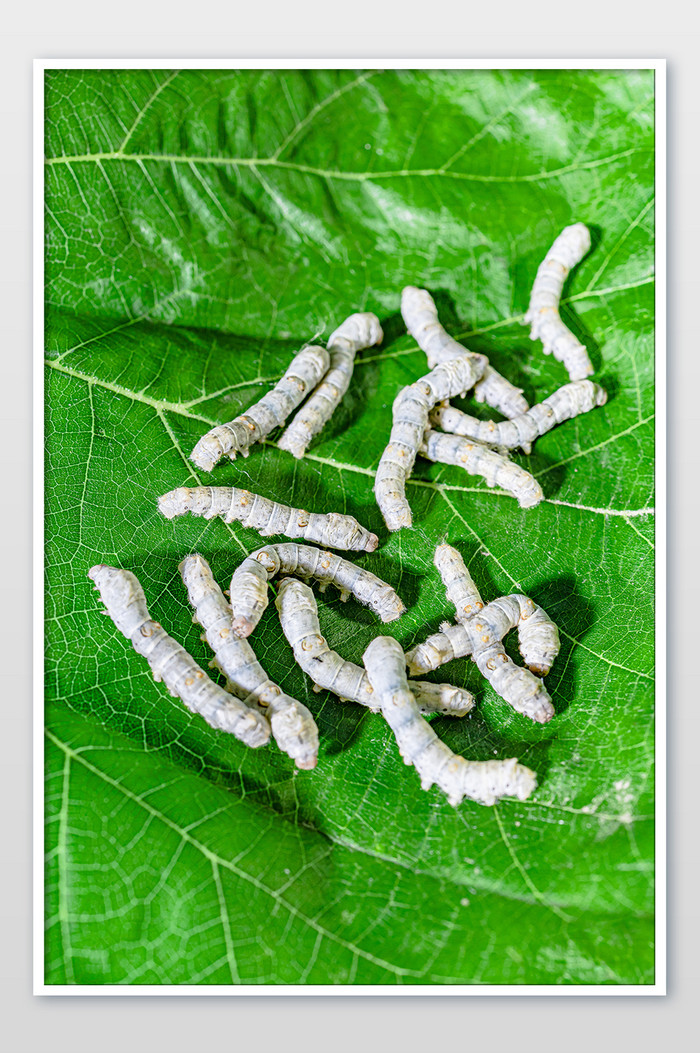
(201, 226)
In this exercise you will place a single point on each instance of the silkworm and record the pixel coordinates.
(332, 530)
(477, 459)
(356, 332)
(306, 369)
(483, 781)
(419, 312)
(486, 628)
(298, 613)
(411, 411)
(543, 313)
(250, 580)
(124, 599)
(293, 727)
(567, 402)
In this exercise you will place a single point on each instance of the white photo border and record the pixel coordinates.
(658, 66)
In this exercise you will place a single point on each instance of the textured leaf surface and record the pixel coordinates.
(203, 225)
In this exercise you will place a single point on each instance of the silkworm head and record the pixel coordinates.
(168, 503)
(206, 453)
(117, 587)
(242, 627)
(268, 561)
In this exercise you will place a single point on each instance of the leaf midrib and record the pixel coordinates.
(344, 176)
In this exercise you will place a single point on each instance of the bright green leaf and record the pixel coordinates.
(201, 226)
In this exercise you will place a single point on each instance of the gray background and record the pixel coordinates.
(365, 28)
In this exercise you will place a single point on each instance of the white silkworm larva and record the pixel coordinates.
(250, 580)
(520, 688)
(298, 613)
(453, 641)
(332, 530)
(124, 599)
(410, 412)
(293, 727)
(543, 313)
(482, 781)
(486, 629)
(478, 459)
(306, 369)
(567, 402)
(356, 332)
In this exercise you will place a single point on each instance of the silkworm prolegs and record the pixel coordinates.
(293, 727)
(483, 781)
(298, 613)
(480, 634)
(124, 599)
(331, 529)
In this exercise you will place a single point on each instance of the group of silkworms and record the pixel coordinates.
(251, 706)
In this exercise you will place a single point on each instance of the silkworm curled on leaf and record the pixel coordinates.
(485, 630)
(543, 313)
(298, 613)
(477, 459)
(410, 412)
(332, 530)
(567, 402)
(124, 599)
(306, 369)
(356, 332)
(293, 727)
(483, 781)
(250, 580)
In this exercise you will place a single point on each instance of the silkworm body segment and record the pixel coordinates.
(411, 411)
(484, 631)
(420, 315)
(567, 402)
(500, 394)
(249, 582)
(477, 459)
(298, 613)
